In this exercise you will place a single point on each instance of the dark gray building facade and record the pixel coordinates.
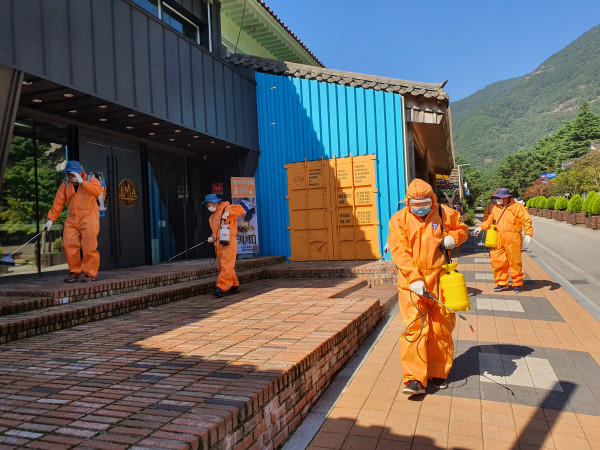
(136, 91)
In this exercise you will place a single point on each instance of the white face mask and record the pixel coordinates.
(212, 208)
(498, 201)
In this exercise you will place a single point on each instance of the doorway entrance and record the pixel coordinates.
(121, 239)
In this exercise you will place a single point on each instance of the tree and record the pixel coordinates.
(17, 200)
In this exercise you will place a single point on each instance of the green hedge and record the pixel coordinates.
(551, 202)
(589, 200)
(528, 203)
(561, 204)
(575, 204)
(596, 206)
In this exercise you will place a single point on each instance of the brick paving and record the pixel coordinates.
(236, 372)
(529, 377)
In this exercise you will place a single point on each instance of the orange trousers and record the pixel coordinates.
(506, 259)
(226, 255)
(426, 352)
(82, 237)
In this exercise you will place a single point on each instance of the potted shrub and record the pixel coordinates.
(551, 204)
(595, 208)
(587, 208)
(574, 207)
(561, 206)
(541, 205)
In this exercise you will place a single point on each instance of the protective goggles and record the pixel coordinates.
(420, 203)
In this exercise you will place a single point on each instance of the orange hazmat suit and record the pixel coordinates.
(226, 254)
(506, 257)
(82, 225)
(426, 346)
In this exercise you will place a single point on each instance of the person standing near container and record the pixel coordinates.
(509, 218)
(416, 237)
(80, 236)
(223, 225)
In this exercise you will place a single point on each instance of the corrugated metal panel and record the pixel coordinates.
(298, 119)
(115, 51)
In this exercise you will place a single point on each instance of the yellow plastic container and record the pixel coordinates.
(454, 288)
(491, 237)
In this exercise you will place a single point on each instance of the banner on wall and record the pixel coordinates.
(243, 193)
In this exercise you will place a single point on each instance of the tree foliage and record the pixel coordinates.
(17, 200)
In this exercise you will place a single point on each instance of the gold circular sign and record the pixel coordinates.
(128, 193)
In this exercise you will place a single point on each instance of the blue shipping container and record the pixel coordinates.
(305, 119)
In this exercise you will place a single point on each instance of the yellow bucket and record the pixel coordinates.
(454, 288)
(491, 237)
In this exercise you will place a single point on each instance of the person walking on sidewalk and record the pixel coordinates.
(510, 218)
(416, 235)
(80, 236)
(224, 216)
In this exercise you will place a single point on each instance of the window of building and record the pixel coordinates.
(171, 17)
(149, 5)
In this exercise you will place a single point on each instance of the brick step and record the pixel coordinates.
(57, 317)
(375, 273)
(39, 293)
(14, 305)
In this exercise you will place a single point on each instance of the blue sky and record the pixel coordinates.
(470, 43)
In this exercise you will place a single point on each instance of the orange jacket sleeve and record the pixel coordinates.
(235, 211)
(525, 219)
(401, 251)
(93, 187)
(59, 203)
(485, 225)
(454, 226)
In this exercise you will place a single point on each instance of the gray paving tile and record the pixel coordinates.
(563, 380)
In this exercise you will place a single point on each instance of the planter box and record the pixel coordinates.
(570, 218)
(562, 215)
(555, 215)
(53, 259)
(580, 218)
(532, 211)
(548, 213)
(592, 222)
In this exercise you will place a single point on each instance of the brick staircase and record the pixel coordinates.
(36, 306)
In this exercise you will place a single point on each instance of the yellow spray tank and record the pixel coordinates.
(491, 237)
(454, 288)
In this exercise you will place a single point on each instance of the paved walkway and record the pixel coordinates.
(572, 251)
(529, 377)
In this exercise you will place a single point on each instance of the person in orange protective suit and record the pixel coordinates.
(224, 213)
(509, 218)
(80, 192)
(415, 236)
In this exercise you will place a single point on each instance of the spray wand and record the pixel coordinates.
(431, 297)
(185, 251)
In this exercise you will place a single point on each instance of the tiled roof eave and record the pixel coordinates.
(393, 85)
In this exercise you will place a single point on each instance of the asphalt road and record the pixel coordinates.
(573, 252)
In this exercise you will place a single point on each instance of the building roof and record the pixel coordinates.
(260, 24)
(394, 85)
(285, 27)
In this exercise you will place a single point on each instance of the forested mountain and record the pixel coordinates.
(511, 115)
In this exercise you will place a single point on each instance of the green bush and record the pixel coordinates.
(575, 204)
(596, 206)
(551, 202)
(57, 245)
(541, 202)
(468, 217)
(561, 204)
(528, 203)
(589, 200)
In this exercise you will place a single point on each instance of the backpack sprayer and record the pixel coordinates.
(185, 251)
